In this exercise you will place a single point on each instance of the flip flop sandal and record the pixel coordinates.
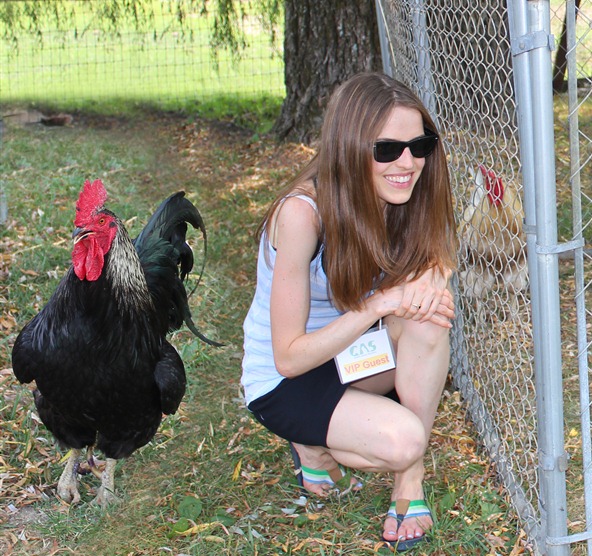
(403, 509)
(318, 476)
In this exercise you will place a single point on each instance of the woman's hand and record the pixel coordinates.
(425, 298)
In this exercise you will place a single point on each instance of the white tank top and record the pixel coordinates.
(259, 373)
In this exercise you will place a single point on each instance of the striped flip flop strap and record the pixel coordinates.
(402, 509)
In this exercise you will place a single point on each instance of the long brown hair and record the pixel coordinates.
(365, 245)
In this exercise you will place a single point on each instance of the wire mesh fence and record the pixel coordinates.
(71, 50)
(460, 59)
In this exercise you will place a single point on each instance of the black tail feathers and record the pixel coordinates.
(169, 223)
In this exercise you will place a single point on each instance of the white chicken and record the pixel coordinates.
(492, 240)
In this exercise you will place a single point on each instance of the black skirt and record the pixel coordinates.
(300, 409)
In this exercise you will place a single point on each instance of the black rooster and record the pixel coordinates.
(104, 371)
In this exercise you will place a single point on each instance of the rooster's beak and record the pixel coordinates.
(79, 233)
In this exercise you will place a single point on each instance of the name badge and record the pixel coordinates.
(371, 354)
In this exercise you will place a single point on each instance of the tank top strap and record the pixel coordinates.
(306, 198)
(313, 204)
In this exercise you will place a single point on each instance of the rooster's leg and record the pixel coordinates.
(106, 492)
(68, 483)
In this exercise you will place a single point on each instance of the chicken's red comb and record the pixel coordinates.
(91, 199)
(493, 185)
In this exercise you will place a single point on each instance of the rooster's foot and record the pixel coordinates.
(68, 484)
(105, 497)
(106, 493)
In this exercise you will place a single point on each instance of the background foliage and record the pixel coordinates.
(112, 16)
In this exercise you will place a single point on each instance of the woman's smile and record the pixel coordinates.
(399, 181)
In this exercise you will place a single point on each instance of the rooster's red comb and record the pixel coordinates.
(91, 199)
(493, 185)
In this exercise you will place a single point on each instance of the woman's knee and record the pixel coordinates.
(431, 335)
(405, 445)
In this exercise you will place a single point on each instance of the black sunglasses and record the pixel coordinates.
(420, 147)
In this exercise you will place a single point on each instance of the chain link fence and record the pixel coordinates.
(468, 61)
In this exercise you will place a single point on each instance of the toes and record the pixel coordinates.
(67, 489)
(71, 496)
(411, 533)
(321, 490)
(105, 497)
(68, 492)
(326, 489)
(390, 530)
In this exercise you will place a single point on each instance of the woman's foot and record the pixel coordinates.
(406, 523)
(321, 472)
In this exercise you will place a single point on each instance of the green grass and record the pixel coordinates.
(213, 481)
(163, 65)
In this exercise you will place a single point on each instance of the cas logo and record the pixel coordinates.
(362, 348)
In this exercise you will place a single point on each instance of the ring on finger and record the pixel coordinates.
(416, 305)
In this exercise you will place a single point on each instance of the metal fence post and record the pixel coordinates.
(518, 24)
(387, 66)
(424, 64)
(531, 47)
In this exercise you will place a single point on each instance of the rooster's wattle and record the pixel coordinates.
(98, 353)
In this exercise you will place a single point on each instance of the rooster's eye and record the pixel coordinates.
(101, 221)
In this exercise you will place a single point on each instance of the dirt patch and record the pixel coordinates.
(24, 517)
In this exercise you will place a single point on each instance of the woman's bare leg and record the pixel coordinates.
(422, 367)
(318, 457)
(372, 433)
(423, 358)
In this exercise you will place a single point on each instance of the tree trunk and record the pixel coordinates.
(326, 42)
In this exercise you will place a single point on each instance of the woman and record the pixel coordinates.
(365, 232)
